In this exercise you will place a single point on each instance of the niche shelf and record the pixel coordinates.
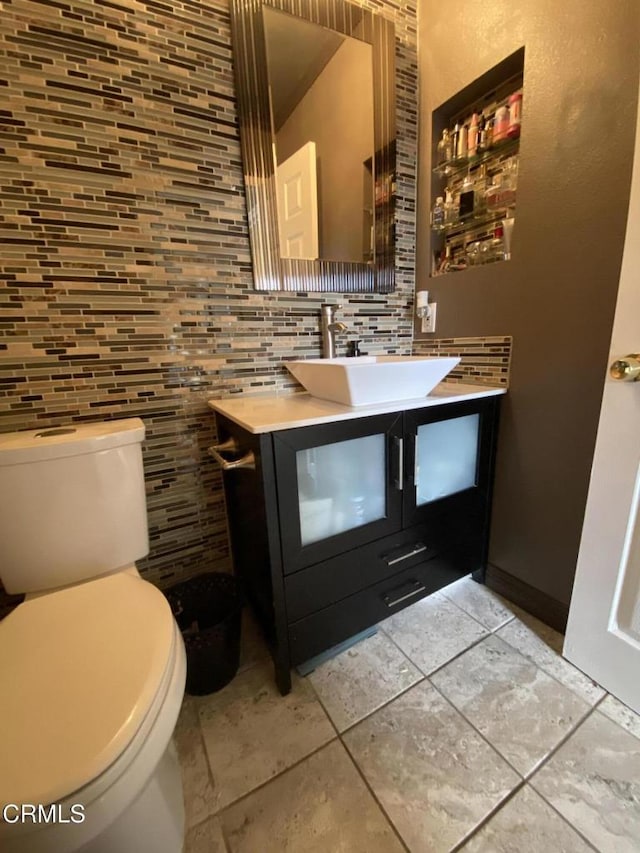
(478, 185)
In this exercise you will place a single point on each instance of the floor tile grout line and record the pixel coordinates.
(520, 775)
(360, 772)
(524, 779)
(424, 678)
(513, 616)
(524, 776)
(461, 609)
(337, 735)
(521, 781)
(340, 734)
(611, 719)
(217, 812)
(480, 622)
(220, 811)
(442, 665)
(563, 740)
(489, 816)
(564, 819)
(534, 663)
(503, 803)
(203, 745)
(384, 705)
(475, 643)
(502, 625)
(551, 675)
(548, 758)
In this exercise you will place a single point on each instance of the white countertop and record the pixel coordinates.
(268, 413)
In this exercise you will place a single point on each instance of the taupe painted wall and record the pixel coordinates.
(337, 114)
(557, 296)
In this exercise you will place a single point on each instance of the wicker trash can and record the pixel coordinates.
(208, 610)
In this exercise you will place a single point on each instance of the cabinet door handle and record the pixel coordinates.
(399, 480)
(416, 589)
(231, 446)
(417, 548)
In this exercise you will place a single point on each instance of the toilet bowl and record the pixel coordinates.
(92, 662)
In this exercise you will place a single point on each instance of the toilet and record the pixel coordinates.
(92, 663)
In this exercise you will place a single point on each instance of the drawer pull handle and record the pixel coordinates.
(418, 548)
(231, 446)
(418, 588)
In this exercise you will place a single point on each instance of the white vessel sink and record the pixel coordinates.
(371, 379)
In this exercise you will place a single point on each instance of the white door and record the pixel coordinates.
(297, 188)
(603, 634)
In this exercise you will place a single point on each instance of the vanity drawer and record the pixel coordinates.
(326, 628)
(309, 590)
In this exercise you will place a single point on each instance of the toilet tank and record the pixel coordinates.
(72, 504)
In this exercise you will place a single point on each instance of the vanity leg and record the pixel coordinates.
(283, 677)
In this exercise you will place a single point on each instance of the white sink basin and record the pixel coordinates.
(371, 379)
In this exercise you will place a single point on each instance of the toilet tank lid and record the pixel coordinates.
(37, 445)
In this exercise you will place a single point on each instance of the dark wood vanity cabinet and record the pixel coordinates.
(340, 525)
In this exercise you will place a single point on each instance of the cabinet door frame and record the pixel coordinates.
(480, 493)
(286, 443)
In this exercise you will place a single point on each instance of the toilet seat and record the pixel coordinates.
(121, 787)
(87, 666)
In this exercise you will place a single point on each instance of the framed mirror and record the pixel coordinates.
(316, 102)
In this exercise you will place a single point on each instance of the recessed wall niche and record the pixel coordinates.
(475, 160)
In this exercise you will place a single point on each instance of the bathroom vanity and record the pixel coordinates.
(341, 516)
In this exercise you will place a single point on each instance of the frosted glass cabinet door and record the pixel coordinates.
(341, 486)
(446, 457)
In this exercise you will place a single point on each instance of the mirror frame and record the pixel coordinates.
(271, 272)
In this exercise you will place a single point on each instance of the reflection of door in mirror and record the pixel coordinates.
(321, 89)
(297, 193)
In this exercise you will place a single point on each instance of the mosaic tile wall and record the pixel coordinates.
(126, 273)
(484, 361)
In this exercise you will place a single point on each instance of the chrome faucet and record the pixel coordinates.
(329, 326)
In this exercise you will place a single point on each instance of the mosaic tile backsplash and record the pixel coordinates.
(124, 252)
(483, 361)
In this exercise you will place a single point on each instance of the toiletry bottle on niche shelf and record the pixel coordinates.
(437, 214)
(461, 145)
(482, 134)
(455, 134)
(450, 208)
(507, 232)
(492, 194)
(443, 151)
(509, 183)
(488, 137)
(515, 115)
(500, 124)
(472, 137)
(444, 262)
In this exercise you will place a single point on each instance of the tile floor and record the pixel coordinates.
(458, 726)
